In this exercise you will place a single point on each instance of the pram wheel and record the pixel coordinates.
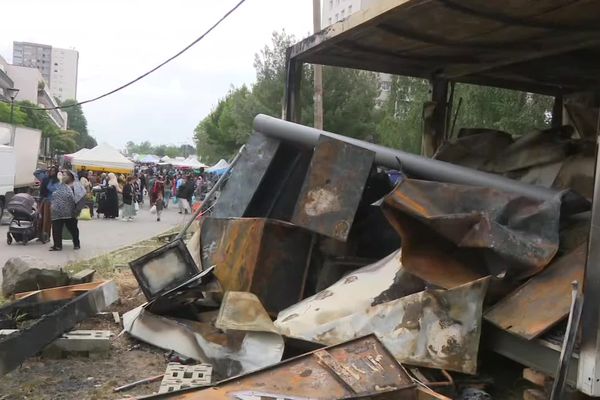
(25, 240)
(9, 239)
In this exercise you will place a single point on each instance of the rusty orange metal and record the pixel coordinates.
(453, 234)
(542, 301)
(257, 255)
(333, 188)
(359, 368)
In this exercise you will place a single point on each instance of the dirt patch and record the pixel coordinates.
(81, 377)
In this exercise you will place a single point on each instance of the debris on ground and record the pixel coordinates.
(26, 273)
(319, 234)
(332, 268)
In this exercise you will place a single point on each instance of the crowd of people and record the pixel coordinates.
(65, 195)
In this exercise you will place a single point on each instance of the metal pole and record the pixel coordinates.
(210, 194)
(417, 166)
(12, 106)
(318, 71)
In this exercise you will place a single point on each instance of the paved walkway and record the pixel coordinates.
(98, 236)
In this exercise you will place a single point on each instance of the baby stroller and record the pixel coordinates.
(26, 219)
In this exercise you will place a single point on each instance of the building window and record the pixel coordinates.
(55, 64)
(337, 17)
(330, 4)
(349, 10)
(343, 13)
(329, 20)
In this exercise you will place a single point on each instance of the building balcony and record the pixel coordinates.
(5, 83)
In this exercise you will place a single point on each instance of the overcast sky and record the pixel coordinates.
(118, 40)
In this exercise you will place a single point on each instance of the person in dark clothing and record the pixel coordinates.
(47, 187)
(112, 197)
(184, 196)
(64, 212)
(128, 200)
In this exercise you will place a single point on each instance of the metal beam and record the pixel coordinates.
(588, 380)
(413, 164)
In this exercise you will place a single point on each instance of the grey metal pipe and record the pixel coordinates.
(417, 166)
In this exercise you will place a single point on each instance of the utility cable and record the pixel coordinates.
(186, 48)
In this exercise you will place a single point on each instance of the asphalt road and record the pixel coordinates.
(98, 236)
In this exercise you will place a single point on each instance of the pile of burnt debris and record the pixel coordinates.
(333, 268)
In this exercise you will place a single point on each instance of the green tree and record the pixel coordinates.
(400, 117)
(349, 98)
(19, 117)
(77, 122)
(508, 110)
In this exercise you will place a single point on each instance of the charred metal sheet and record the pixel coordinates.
(474, 226)
(264, 257)
(360, 368)
(243, 311)
(474, 147)
(230, 353)
(84, 301)
(164, 268)
(277, 194)
(536, 148)
(433, 328)
(542, 301)
(333, 188)
(368, 286)
(246, 176)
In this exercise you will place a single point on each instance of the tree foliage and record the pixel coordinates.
(161, 150)
(27, 114)
(77, 122)
(351, 108)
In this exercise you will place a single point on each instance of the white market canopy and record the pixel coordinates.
(80, 152)
(103, 158)
(190, 162)
(219, 166)
(149, 159)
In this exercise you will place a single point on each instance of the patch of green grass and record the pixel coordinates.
(110, 264)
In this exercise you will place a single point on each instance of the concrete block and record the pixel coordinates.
(178, 376)
(83, 276)
(82, 341)
(6, 332)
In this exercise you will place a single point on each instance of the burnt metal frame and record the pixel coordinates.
(587, 363)
(88, 299)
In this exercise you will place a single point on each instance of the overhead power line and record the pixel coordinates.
(168, 60)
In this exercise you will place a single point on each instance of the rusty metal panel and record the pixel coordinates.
(333, 188)
(471, 227)
(433, 328)
(542, 301)
(257, 255)
(356, 369)
(246, 176)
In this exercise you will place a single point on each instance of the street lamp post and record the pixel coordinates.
(12, 93)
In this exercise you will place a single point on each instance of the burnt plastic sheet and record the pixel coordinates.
(257, 255)
(333, 187)
(452, 234)
(359, 368)
(542, 301)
